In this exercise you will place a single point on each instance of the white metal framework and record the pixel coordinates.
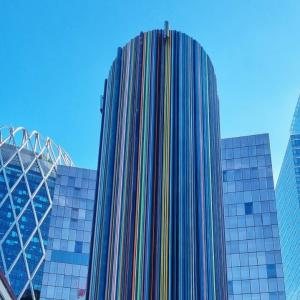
(14, 142)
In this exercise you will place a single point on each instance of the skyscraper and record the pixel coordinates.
(28, 167)
(159, 216)
(288, 205)
(67, 254)
(252, 239)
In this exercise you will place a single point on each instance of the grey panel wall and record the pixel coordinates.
(252, 241)
(67, 256)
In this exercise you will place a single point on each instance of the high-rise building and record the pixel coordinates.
(28, 167)
(67, 254)
(254, 264)
(288, 206)
(159, 231)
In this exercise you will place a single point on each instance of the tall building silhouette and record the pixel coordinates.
(288, 206)
(159, 230)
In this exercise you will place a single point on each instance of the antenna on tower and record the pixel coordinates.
(166, 30)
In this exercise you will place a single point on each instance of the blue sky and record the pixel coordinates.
(55, 55)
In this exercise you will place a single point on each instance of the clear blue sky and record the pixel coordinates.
(55, 55)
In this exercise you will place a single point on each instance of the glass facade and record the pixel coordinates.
(288, 205)
(159, 231)
(254, 262)
(67, 254)
(27, 176)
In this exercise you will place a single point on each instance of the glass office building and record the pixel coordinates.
(254, 260)
(67, 255)
(288, 206)
(28, 167)
(159, 231)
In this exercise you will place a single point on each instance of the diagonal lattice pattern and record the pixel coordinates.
(27, 176)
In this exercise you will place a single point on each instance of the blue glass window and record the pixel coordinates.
(13, 171)
(6, 217)
(248, 208)
(37, 281)
(7, 152)
(70, 257)
(271, 271)
(34, 177)
(51, 183)
(20, 196)
(296, 151)
(295, 142)
(228, 176)
(238, 174)
(230, 288)
(34, 253)
(41, 202)
(71, 181)
(11, 247)
(73, 223)
(3, 188)
(246, 173)
(18, 276)
(27, 223)
(254, 172)
(75, 213)
(26, 157)
(78, 247)
(45, 229)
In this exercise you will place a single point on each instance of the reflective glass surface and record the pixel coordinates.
(6, 217)
(68, 245)
(18, 276)
(27, 223)
(34, 253)
(20, 196)
(37, 281)
(288, 205)
(34, 177)
(11, 247)
(3, 188)
(41, 202)
(13, 171)
(20, 207)
(253, 250)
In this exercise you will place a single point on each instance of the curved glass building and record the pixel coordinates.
(159, 230)
(27, 177)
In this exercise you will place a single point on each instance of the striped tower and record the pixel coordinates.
(159, 230)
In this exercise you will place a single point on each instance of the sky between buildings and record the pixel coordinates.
(55, 55)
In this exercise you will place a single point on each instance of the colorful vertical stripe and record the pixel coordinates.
(159, 230)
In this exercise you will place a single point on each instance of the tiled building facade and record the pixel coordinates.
(254, 261)
(67, 255)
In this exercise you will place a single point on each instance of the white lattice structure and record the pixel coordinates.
(27, 176)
